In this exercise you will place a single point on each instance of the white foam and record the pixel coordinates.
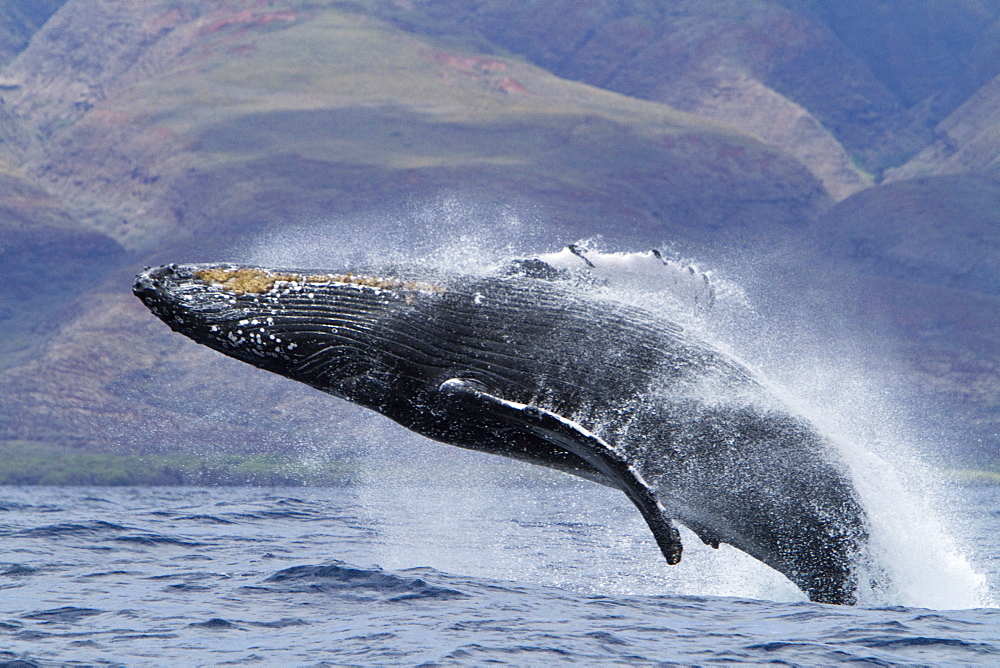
(920, 557)
(646, 271)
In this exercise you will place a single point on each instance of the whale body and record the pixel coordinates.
(523, 363)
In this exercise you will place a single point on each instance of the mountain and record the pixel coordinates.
(19, 21)
(171, 116)
(833, 83)
(47, 260)
(927, 251)
(967, 141)
(165, 143)
(752, 135)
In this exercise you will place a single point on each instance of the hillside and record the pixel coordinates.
(136, 133)
(968, 140)
(833, 83)
(48, 260)
(927, 250)
(19, 21)
(305, 124)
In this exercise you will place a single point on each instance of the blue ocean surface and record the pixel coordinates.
(473, 572)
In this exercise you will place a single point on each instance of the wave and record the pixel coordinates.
(68, 614)
(157, 539)
(88, 528)
(339, 577)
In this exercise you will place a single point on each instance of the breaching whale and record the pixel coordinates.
(523, 363)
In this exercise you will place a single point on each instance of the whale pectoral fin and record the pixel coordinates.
(588, 446)
(708, 537)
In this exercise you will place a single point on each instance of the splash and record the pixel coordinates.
(648, 274)
(450, 233)
(918, 561)
(921, 560)
(926, 564)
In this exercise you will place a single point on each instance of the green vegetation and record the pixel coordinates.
(976, 476)
(35, 463)
(32, 463)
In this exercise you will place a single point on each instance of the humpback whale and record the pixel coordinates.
(524, 363)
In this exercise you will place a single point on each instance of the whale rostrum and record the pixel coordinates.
(525, 363)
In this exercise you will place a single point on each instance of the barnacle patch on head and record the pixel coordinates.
(257, 281)
(244, 279)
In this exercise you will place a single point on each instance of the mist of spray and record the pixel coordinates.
(450, 233)
(821, 370)
(919, 562)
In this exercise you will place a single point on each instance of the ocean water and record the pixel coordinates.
(480, 570)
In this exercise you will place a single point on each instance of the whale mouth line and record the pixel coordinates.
(243, 280)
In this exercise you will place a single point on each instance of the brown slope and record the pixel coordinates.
(941, 231)
(755, 65)
(46, 258)
(968, 140)
(813, 76)
(297, 85)
(931, 55)
(18, 22)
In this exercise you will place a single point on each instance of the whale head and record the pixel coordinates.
(318, 328)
